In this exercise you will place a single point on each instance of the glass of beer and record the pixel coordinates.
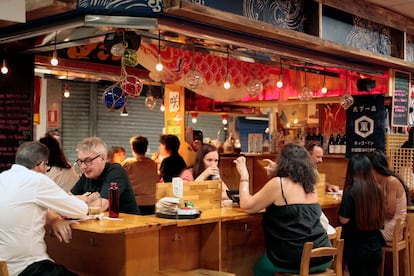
(94, 207)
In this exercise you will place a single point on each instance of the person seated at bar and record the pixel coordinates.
(292, 215)
(97, 176)
(59, 170)
(143, 174)
(395, 192)
(361, 214)
(316, 153)
(172, 163)
(205, 167)
(116, 154)
(27, 198)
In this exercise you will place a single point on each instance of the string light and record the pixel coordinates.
(227, 84)
(4, 68)
(194, 116)
(279, 83)
(54, 61)
(159, 67)
(225, 119)
(66, 92)
(324, 90)
(162, 106)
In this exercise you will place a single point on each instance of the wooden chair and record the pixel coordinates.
(3, 268)
(308, 253)
(410, 225)
(395, 246)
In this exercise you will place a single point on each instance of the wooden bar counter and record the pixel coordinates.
(225, 239)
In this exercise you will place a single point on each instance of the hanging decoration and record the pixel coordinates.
(114, 97)
(194, 78)
(150, 101)
(347, 100)
(255, 86)
(306, 93)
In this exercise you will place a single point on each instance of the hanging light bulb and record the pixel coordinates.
(54, 61)
(194, 116)
(279, 83)
(162, 106)
(66, 92)
(4, 68)
(324, 90)
(124, 112)
(227, 84)
(159, 67)
(225, 119)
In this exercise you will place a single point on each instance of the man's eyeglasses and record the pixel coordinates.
(88, 161)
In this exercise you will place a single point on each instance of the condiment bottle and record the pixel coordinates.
(113, 200)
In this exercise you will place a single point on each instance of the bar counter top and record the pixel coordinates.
(127, 223)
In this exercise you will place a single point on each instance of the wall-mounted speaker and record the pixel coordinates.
(365, 84)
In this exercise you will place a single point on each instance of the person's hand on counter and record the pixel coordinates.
(332, 188)
(60, 228)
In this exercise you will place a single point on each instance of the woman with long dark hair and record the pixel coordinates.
(362, 215)
(395, 193)
(206, 167)
(59, 168)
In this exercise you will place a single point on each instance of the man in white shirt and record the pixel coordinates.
(27, 199)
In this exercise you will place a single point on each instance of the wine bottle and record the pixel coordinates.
(331, 144)
(113, 200)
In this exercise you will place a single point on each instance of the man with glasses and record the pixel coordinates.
(98, 174)
(26, 200)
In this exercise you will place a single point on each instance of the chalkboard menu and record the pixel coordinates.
(400, 100)
(16, 108)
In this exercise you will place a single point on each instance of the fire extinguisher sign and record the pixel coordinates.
(52, 118)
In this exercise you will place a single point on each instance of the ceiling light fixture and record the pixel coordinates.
(54, 61)
(227, 84)
(279, 83)
(4, 68)
(324, 90)
(66, 92)
(225, 118)
(194, 116)
(159, 67)
(124, 112)
(162, 106)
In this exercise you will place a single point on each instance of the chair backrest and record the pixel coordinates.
(3, 268)
(399, 227)
(337, 236)
(308, 253)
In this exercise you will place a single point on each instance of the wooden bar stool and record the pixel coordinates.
(3, 268)
(395, 247)
(410, 225)
(308, 253)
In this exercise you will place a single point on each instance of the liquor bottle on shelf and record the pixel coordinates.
(308, 137)
(343, 145)
(319, 137)
(331, 144)
(338, 143)
(314, 136)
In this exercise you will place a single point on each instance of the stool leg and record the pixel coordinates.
(383, 262)
(395, 263)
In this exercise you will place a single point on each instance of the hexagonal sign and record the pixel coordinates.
(364, 126)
